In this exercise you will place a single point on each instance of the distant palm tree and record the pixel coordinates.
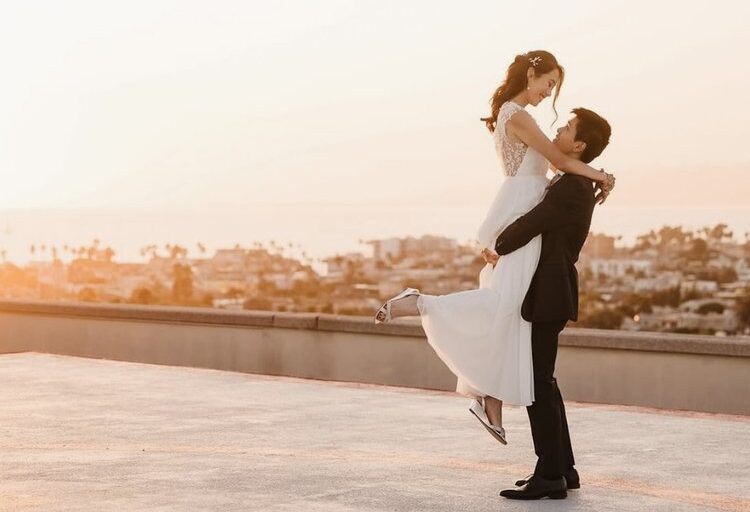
(176, 251)
(109, 254)
(33, 250)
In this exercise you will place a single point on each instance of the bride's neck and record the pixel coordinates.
(521, 99)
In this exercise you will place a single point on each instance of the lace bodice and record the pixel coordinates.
(512, 153)
(525, 186)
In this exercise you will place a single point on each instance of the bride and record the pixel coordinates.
(480, 334)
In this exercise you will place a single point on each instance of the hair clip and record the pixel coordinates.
(535, 60)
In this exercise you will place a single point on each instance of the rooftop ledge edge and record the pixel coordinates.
(572, 337)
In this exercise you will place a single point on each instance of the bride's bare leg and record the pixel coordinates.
(405, 307)
(494, 409)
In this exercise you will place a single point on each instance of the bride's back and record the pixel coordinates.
(516, 196)
(516, 158)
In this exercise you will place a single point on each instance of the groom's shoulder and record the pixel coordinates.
(576, 178)
(575, 189)
(574, 182)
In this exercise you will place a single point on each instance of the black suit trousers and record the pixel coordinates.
(549, 426)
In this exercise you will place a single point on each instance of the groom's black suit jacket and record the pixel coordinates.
(563, 219)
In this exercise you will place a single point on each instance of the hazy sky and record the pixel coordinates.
(190, 104)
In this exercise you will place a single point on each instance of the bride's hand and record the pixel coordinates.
(604, 188)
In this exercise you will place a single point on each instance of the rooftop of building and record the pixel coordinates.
(90, 434)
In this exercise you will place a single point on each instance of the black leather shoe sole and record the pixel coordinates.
(514, 494)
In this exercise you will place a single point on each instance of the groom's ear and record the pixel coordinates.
(579, 147)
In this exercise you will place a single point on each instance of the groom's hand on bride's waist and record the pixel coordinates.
(490, 256)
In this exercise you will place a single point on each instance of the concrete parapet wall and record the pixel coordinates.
(672, 371)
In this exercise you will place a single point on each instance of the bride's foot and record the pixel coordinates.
(403, 304)
(480, 411)
(494, 410)
(406, 306)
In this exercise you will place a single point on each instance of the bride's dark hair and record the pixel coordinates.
(516, 81)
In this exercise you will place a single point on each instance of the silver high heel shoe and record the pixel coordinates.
(384, 313)
(477, 409)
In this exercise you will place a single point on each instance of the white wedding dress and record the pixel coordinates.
(480, 334)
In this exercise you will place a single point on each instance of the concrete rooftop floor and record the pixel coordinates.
(82, 434)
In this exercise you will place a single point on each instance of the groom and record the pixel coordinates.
(562, 218)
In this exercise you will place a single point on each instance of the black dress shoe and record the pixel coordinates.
(574, 481)
(537, 488)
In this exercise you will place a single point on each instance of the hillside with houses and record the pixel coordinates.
(671, 279)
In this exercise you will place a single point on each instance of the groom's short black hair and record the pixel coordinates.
(594, 130)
